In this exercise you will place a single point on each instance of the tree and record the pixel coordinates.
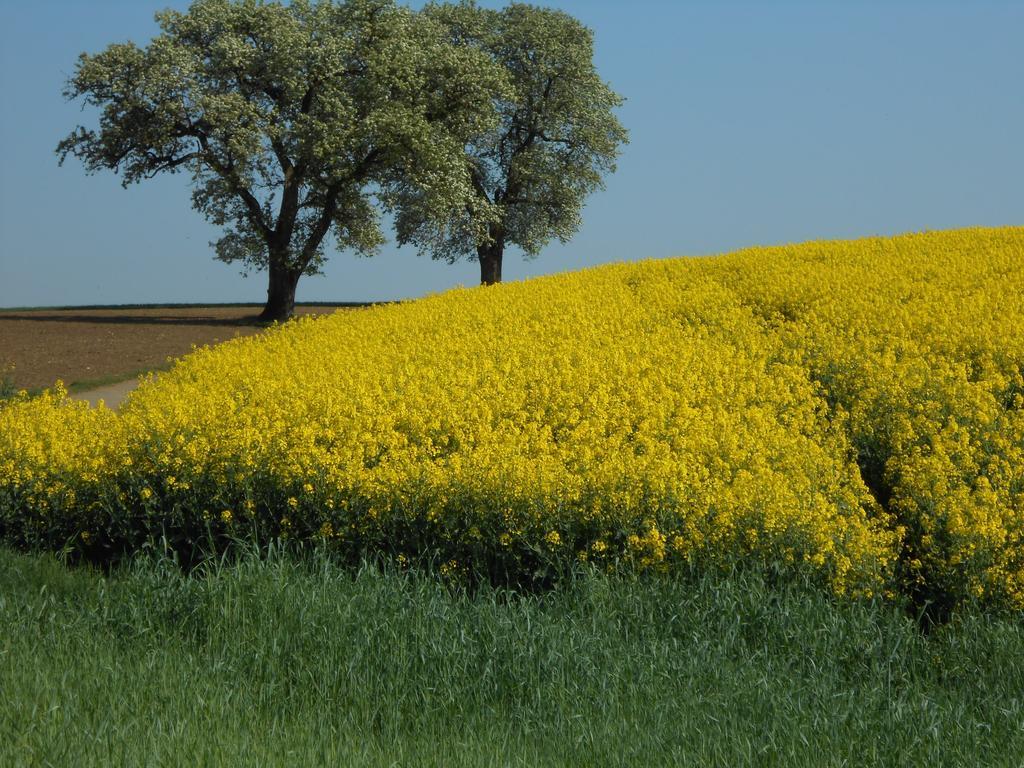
(290, 119)
(555, 138)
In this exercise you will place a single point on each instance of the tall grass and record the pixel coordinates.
(299, 662)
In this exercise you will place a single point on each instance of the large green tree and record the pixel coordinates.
(531, 171)
(290, 120)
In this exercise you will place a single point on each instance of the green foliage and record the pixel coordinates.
(288, 117)
(8, 391)
(7, 388)
(299, 662)
(555, 138)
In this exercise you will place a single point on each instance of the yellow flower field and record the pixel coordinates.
(849, 410)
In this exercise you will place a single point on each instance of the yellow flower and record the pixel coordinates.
(761, 405)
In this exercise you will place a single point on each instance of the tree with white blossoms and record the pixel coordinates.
(532, 170)
(291, 119)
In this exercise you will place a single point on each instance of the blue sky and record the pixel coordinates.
(751, 123)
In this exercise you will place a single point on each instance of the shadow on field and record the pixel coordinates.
(138, 319)
(174, 317)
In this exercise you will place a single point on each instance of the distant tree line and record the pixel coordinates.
(475, 128)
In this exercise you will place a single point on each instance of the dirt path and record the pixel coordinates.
(112, 395)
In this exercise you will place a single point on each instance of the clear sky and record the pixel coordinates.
(751, 123)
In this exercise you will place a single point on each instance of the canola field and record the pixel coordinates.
(849, 411)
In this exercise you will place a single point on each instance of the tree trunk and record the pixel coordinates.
(280, 291)
(490, 262)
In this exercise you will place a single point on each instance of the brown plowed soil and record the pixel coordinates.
(92, 345)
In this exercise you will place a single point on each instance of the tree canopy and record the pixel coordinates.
(555, 138)
(291, 119)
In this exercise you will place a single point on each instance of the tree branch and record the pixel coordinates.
(321, 227)
(167, 162)
(366, 165)
(565, 142)
(478, 183)
(227, 173)
(330, 209)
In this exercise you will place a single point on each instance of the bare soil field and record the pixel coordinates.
(88, 348)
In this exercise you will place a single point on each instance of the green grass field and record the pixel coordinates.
(287, 661)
